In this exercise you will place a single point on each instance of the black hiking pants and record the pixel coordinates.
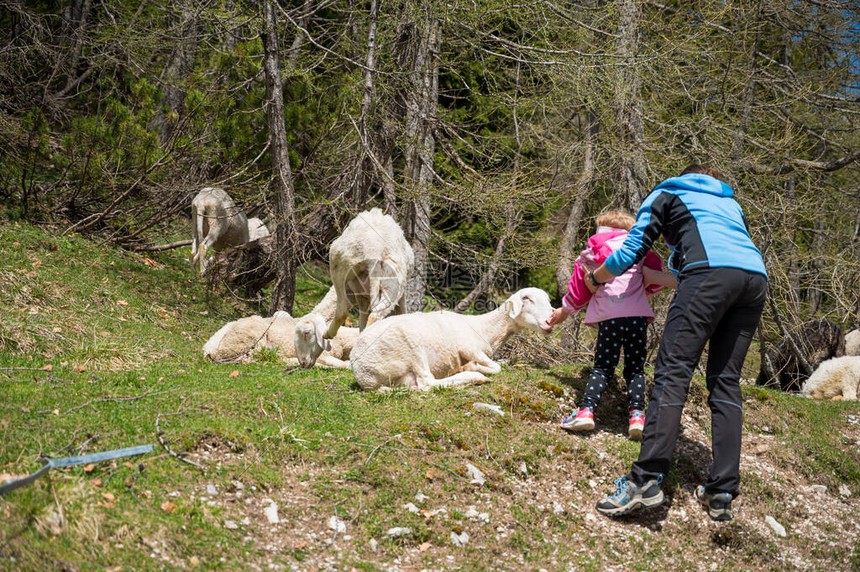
(722, 305)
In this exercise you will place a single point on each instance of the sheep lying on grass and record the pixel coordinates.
(817, 341)
(852, 343)
(439, 349)
(835, 378)
(238, 340)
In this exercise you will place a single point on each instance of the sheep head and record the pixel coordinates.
(530, 308)
(308, 339)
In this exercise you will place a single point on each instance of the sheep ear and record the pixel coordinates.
(321, 341)
(514, 306)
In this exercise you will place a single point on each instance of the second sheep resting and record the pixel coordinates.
(836, 378)
(238, 340)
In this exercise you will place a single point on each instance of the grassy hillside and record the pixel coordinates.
(100, 347)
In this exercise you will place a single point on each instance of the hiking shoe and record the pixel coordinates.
(580, 420)
(629, 496)
(637, 423)
(719, 505)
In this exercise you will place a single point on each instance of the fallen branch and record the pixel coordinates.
(163, 443)
(383, 444)
(160, 247)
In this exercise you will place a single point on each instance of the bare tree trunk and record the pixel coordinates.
(364, 163)
(749, 95)
(281, 184)
(421, 100)
(178, 67)
(512, 217)
(581, 190)
(631, 129)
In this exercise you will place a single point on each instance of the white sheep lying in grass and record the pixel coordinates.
(440, 349)
(369, 264)
(238, 340)
(834, 378)
(852, 343)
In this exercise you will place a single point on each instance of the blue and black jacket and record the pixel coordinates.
(703, 225)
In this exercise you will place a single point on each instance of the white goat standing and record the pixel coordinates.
(833, 379)
(216, 223)
(238, 340)
(369, 263)
(440, 349)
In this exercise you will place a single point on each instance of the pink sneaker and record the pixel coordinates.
(637, 423)
(580, 420)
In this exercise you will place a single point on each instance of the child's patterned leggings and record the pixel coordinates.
(612, 335)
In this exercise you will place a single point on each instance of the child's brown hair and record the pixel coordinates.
(616, 219)
(696, 168)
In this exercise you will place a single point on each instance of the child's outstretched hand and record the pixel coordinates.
(558, 316)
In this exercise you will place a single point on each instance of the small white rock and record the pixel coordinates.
(488, 407)
(211, 490)
(477, 476)
(411, 508)
(557, 508)
(421, 497)
(271, 512)
(373, 544)
(337, 524)
(777, 527)
(230, 524)
(818, 489)
(844, 491)
(524, 469)
(592, 483)
(460, 539)
(399, 531)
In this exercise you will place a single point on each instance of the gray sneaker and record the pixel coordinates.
(629, 496)
(719, 505)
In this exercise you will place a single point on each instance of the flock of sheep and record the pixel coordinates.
(369, 265)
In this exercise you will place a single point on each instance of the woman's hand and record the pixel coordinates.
(601, 275)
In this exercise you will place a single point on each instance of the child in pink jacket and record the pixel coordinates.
(621, 312)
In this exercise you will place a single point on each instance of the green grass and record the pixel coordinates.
(122, 334)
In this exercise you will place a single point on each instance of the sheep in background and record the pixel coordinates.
(835, 378)
(817, 341)
(852, 343)
(257, 229)
(217, 223)
(238, 340)
(441, 349)
(369, 264)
